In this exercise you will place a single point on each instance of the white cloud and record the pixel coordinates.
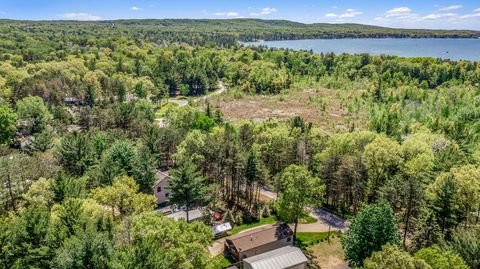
(349, 13)
(80, 16)
(399, 11)
(227, 14)
(469, 16)
(268, 10)
(136, 8)
(477, 10)
(264, 11)
(404, 16)
(453, 7)
(437, 16)
(331, 15)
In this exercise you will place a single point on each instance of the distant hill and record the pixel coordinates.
(226, 31)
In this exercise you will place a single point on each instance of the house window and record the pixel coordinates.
(167, 194)
(159, 189)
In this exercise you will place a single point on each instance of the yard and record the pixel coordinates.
(309, 239)
(329, 255)
(270, 220)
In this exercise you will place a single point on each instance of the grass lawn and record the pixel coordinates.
(329, 255)
(263, 221)
(308, 220)
(308, 239)
(164, 109)
(222, 261)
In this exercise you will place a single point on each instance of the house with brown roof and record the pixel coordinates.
(160, 188)
(258, 241)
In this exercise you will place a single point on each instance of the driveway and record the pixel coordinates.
(183, 102)
(330, 219)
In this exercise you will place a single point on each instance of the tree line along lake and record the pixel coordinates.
(445, 48)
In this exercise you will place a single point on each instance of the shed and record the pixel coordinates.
(281, 258)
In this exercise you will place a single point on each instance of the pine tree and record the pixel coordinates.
(187, 186)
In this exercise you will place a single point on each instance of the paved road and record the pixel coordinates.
(180, 102)
(183, 102)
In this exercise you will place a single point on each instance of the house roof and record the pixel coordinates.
(260, 236)
(279, 258)
(161, 176)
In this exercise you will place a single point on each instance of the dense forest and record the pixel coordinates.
(202, 32)
(80, 144)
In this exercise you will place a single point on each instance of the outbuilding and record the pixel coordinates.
(281, 258)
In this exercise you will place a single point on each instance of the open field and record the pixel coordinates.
(332, 110)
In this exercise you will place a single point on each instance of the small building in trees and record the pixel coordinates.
(281, 258)
(258, 241)
(160, 188)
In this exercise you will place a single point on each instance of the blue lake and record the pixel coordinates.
(445, 48)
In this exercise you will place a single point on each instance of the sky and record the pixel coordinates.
(433, 14)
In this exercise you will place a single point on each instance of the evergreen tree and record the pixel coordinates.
(372, 228)
(187, 186)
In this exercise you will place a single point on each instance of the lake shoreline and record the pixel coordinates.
(455, 49)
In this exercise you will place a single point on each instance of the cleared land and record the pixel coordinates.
(329, 255)
(332, 110)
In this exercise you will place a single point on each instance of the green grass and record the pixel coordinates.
(307, 220)
(263, 221)
(221, 261)
(161, 112)
(308, 239)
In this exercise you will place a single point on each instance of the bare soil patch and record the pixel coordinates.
(329, 255)
(332, 110)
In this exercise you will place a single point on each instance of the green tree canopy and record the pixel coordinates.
(372, 228)
(299, 190)
(8, 125)
(188, 186)
(160, 242)
(440, 259)
(34, 112)
(391, 257)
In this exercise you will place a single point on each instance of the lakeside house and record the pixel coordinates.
(259, 240)
(160, 188)
(281, 258)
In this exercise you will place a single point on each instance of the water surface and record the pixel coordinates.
(445, 48)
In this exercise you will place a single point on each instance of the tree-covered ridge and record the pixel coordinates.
(207, 31)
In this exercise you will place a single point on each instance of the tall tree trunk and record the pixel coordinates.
(10, 191)
(407, 222)
(295, 229)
